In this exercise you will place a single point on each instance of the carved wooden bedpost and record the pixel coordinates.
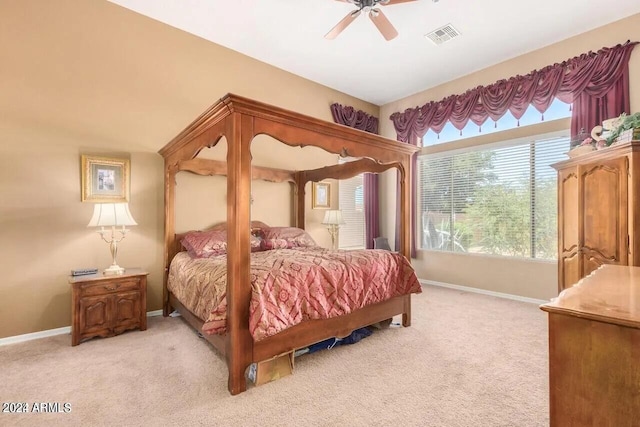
(239, 341)
(169, 229)
(405, 225)
(299, 200)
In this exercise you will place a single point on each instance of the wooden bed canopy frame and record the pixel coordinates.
(239, 120)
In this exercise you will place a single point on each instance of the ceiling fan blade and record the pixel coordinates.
(390, 2)
(383, 24)
(340, 26)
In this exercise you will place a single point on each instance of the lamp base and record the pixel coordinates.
(333, 231)
(112, 270)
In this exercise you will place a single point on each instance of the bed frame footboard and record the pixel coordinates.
(299, 336)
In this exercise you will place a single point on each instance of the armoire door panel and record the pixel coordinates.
(570, 269)
(604, 210)
(600, 192)
(569, 206)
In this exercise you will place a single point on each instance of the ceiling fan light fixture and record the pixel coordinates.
(377, 17)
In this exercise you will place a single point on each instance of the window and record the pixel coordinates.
(557, 110)
(351, 199)
(499, 199)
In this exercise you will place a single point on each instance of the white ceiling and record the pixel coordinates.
(289, 35)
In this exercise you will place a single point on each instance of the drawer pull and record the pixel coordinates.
(111, 288)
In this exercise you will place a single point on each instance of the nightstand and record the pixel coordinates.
(104, 306)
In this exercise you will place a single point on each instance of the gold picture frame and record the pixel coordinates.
(321, 195)
(105, 179)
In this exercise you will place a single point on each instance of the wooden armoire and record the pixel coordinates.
(597, 220)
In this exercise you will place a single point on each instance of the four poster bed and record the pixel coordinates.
(240, 120)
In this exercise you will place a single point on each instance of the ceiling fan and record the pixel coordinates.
(375, 14)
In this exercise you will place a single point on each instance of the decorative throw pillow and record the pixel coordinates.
(296, 237)
(205, 244)
(256, 243)
(269, 244)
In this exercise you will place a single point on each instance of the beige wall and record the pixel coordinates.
(271, 201)
(533, 279)
(87, 76)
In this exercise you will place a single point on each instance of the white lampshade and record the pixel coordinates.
(333, 218)
(109, 214)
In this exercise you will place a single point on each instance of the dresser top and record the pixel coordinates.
(611, 294)
(613, 151)
(128, 272)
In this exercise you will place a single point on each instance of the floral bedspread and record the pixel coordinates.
(292, 285)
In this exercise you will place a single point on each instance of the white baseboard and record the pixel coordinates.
(35, 335)
(52, 332)
(483, 292)
(67, 329)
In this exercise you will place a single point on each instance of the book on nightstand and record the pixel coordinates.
(83, 271)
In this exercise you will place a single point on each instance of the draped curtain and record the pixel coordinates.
(361, 120)
(597, 83)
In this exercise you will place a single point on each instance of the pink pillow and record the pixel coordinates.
(205, 244)
(296, 237)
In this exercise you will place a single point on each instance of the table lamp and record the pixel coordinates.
(112, 215)
(333, 219)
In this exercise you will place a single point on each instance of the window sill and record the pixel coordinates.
(506, 258)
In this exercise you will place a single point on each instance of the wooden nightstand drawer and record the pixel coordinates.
(104, 306)
(106, 287)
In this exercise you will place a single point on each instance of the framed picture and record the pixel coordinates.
(105, 180)
(321, 195)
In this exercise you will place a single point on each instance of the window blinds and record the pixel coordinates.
(498, 200)
(351, 200)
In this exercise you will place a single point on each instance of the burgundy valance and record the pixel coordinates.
(361, 120)
(592, 74)
(358, 119)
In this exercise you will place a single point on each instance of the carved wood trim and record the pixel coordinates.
(213, 116)
(604, 167)
(348, 170)
(208, 167)
(593, 253)
(571, 175)
(290, 128)
(570, 249)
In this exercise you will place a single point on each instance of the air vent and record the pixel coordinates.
(442, 34)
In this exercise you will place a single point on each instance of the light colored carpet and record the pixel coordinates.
(467, 360)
